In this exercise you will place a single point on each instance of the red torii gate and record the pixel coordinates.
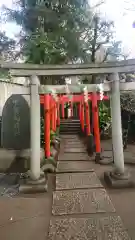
(52, 115)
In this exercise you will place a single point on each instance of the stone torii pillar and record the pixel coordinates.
(36, 179)
(35, 128)
(119, 177)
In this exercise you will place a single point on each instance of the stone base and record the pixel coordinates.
(101, 160)
(105, 161)
(48, 168)
(51, 161)
(118, 181)
(58, 139)
(98, 157)
(90, 144)
(33, 186)
(56, 144)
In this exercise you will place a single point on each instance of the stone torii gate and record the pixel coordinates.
(119, 176)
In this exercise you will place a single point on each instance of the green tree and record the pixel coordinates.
(7, 46)
(102, 34)
(53, 30)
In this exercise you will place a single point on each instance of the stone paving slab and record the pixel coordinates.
(74, 166)
(69, 136)
(77, 180)
(72, 140)
(67, 146)
(92, 228)
(74, 150)
(81, 202)
(73, 157)
(74, 145)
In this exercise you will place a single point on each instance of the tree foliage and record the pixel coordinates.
(6, 46)
(102, 46)
(53, 30)
(61, 31)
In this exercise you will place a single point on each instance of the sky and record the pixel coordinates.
(122, 12)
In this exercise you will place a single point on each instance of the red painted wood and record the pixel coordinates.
(47, 125)
(76, 98)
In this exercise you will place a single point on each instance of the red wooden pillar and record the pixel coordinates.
(47, 125)
(53, 114)
(87, 117)
(79, 111)
(82, 115)
(96, 124)
(62, 108)
(71, 107)
(58, 113)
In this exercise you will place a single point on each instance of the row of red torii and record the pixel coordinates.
(52, 115)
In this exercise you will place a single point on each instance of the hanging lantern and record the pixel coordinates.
(85, 90)
(101, 91)
(54, 95)
(68, 92)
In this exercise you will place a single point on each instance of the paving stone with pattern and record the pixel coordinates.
(73, 157)
(77, 180)
(91, 228)
(74, 166)
(81, 202)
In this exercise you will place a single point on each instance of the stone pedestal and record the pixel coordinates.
(115, 180)
(27, 185)
(49, 165)
(98, 158)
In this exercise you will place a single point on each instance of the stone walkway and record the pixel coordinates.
(81, 207)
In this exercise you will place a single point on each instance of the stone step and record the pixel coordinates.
(70, 124)
(72, 137)
(74, 145)
(91, 227)
(73, 157)
(74, 166)
(69, 121)
(69, 132)
(77, 181)
(74, 150)
(72, 141)
(82, 201)
(68, 129)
